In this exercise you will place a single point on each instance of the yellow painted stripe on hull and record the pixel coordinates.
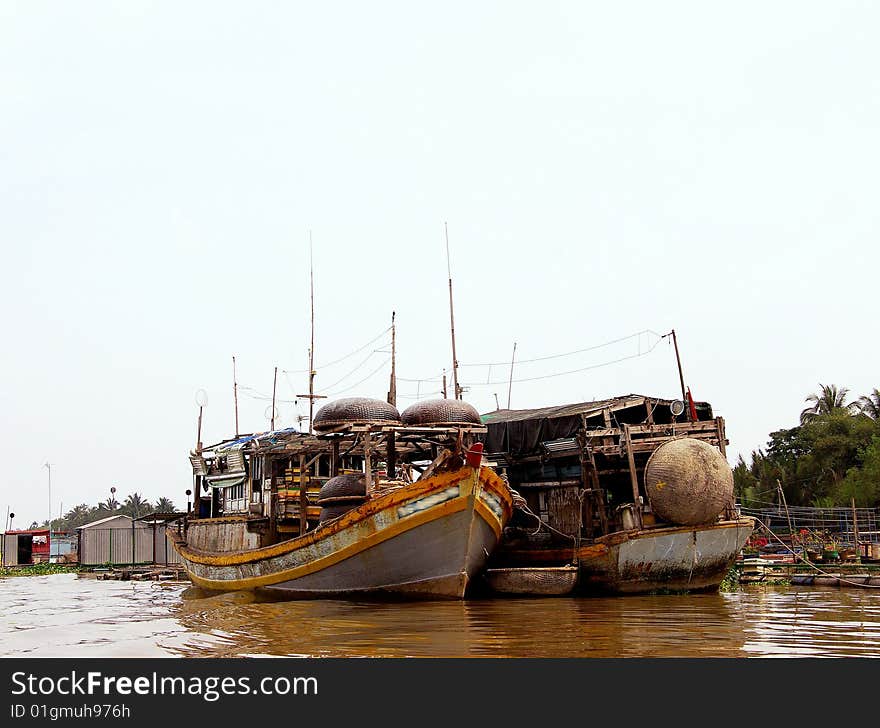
(438, 482)
(489, 517)
(405, 524)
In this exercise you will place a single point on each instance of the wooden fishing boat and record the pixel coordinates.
(279, 516)
(641, 500)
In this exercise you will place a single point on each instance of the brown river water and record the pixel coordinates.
(68, 616)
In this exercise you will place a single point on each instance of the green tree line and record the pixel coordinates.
(134, 505)
(830, 459)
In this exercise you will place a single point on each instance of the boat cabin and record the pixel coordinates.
(261, 488)
(580, 467)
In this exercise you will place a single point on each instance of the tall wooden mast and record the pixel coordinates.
(455, 386)
(392, 388)
(235, 393)
(312, 340)
(311, 396)
(510, 382)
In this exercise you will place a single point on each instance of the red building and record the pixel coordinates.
(25, 547)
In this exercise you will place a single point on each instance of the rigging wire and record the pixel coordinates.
(358, 367)
(506, 364)
(356, 384)
(260, 396)
(340, 359)
(571, 371)
(568, 353)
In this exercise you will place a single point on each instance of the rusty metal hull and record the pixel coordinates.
(427, 539)
(692, 558)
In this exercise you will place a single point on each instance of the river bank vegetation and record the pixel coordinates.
(830, 459)
(41, 569)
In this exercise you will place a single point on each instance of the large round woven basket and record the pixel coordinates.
(355, 411)
(440, 412)
(688, 482)
(549, 581)
(340, 494)
(350, 485)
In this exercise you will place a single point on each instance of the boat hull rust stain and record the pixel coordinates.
(427, 539)
(673, 558)
(668, 559)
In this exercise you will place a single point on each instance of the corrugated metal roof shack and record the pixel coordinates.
(122, 540)
(25, 547)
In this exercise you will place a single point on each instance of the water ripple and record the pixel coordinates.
(66, 615)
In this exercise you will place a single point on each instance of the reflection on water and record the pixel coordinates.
(64, 615)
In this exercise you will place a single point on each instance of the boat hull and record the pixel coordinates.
(671, 558)
(691, 558)
(425, 540)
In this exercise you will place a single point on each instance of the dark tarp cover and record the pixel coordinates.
(521, 432)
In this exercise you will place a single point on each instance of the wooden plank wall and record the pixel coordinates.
(563, 509)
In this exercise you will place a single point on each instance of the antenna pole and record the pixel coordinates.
(311, 396)
(49, 467)
(497, 406)
(456, 388)
(392, 389)
(444, 385)
(274, 383)
(235, 394)
(199, 432)
(680, 375)
(510, 383)
(312, 343)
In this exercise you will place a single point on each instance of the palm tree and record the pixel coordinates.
(164, 505)
(79, 516)
(830, 397)
(111, 504)
(870, 404)
(136, 506)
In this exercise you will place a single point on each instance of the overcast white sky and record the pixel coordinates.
(604, 168)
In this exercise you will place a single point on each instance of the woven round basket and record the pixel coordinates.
(340, 494)
(688, 482)
(355, 411)
(330, 512)
(440, 412)
(351, 485)
(555, 580)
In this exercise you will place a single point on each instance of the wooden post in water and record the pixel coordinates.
(856, 530)
(787, 514)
